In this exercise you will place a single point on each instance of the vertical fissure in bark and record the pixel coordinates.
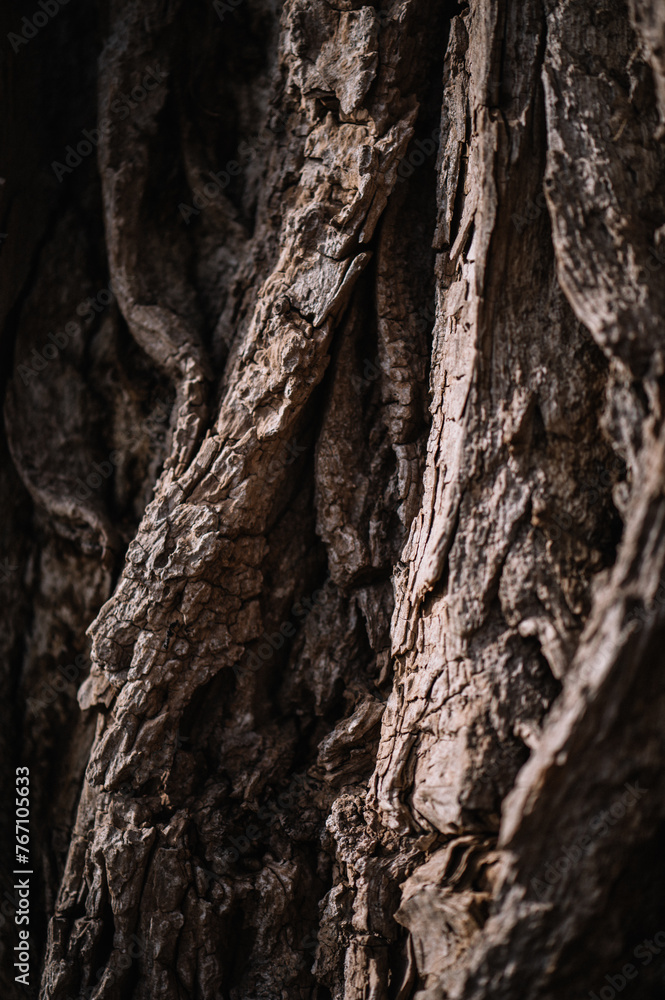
(334, 523)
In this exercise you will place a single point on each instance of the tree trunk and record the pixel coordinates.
(333, 481)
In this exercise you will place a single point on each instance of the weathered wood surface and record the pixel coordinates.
(372, 576)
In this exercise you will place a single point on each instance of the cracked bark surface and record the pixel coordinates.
(358, 634)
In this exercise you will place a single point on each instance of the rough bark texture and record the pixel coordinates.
(333, 567)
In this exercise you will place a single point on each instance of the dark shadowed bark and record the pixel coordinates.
(333, 483)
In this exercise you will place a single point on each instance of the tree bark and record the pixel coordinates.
(333, 475)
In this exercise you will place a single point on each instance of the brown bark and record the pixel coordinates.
(334, 546)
